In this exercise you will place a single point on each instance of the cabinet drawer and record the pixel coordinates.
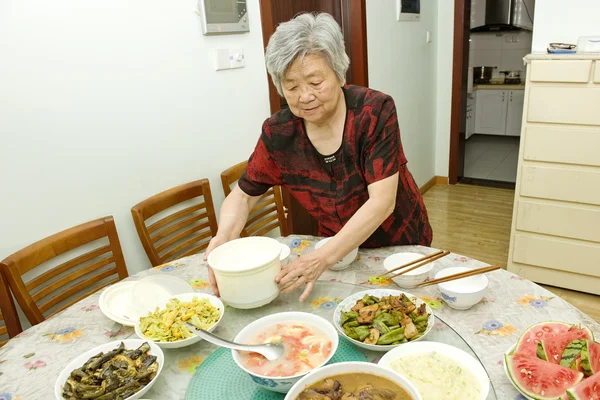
(573, 71)
(564, 105)
(569, 221)
(554, 277)
(597, 72)
(562, 144)
(576, 185)
(563, 255)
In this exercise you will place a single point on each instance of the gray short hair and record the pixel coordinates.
(306, 34)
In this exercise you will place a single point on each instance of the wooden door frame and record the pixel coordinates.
(459, 77)
(354, 15)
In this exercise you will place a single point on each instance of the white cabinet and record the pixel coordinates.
(514, 114)
(555, 238)
(499, 112)
(490, 118)
(470, 119)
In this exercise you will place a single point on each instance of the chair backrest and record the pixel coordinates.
(267, 214)
(47, 289)
(8, 314)
(180, 233)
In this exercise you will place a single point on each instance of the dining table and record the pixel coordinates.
(31, 362)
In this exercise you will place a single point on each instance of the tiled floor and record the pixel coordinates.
(492, 157)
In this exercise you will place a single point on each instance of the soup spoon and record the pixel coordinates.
(271, 351)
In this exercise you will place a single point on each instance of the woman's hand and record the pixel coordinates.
(213, 244)
(303, 271)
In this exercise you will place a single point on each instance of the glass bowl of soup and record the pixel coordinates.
(309, 342)
(353, 380)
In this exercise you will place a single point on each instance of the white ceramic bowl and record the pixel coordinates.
(462, 294)
(245, 271)
(344, 262)
(129, 345)
(193, 339)
(462, 358)
(349, 368)
(283, 384)
(284, 256)
(350, 301)
(411, 278)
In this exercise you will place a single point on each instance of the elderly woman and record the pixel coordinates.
(336, 149)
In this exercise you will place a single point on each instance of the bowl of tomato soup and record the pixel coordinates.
(309, 342)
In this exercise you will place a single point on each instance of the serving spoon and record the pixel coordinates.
(271, 351)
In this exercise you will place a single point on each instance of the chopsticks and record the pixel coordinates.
(461, 275)
(419, 262)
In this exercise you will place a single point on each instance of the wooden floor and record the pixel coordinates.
(475, 221)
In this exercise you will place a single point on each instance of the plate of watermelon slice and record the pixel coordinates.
(555, 361)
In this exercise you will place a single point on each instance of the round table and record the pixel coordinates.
(30, 362)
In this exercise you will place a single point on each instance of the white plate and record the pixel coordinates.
(115, 303)
(350, 302)
(193, 339)
(460, 357)
(154, 289)
(129, 345)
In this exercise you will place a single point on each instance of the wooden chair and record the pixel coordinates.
(8, 314)
(181, 233)
(267, 214)
(75, 278)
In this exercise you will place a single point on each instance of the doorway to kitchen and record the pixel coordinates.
(491, 39)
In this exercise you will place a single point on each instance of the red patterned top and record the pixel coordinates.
(332, 188)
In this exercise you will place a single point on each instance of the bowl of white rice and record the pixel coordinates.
(439, 371)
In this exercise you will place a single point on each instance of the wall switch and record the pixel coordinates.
(428, 36)
(236, 58)
(222, 59)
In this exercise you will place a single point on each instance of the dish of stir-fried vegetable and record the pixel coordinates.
(388, 320)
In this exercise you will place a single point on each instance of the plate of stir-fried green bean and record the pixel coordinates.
(382, 319)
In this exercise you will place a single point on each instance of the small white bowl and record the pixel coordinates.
(193, 339)
(351, 368)
(462, 294)
(284, 256)
(283, 384)
(350, 301)
(344, 262)
(462, 358)
(412, 278)
(130, 344)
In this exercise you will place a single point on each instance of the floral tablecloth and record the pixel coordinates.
(31, 362)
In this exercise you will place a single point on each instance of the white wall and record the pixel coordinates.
(106, 103)
(560, 21)
(445, 41)
(403, 65)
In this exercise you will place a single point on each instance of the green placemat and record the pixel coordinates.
(219, 377)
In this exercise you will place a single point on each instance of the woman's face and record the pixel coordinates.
(312, 89)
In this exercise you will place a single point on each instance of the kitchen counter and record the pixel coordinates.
(499, 87)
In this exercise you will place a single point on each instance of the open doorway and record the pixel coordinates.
(351, 16)
(491, 37)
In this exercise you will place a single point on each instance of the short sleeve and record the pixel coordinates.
(262, 172)
(383, 152)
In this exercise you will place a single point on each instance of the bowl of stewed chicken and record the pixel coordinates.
(353, 380)
(309, 342)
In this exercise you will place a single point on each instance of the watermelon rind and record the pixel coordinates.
(507, 359)
(577, 392)
(587, 366)
(541, 351)
(570, 353)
